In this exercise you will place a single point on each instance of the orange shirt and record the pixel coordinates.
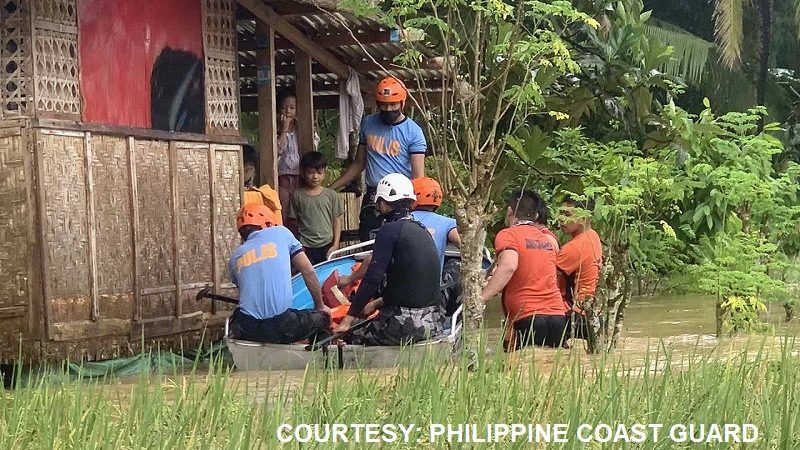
(581, 258)
(533, 288)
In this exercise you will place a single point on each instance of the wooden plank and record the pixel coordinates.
(176, 266)
(249, 71)
(305, 102)
(192, 146)
(36, 315)
(9, 312)
(333, 40)
(134, 199)
(269, 17)
(92, 225)
(331, 87)
(73, 134)
(212, 176)
(284, 8)
(163, 326)
(40, 194)
(250, 103)
(267, 134)
(139, 133)
(78, 331)
(13, 123)
(228, 148)
(9, 132)
(57, 27)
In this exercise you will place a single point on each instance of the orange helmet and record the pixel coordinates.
(256, 214)
(391, 90)
(428, 192)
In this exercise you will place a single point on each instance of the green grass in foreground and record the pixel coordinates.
(216, 410)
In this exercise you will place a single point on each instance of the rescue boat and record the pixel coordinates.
(260, 356)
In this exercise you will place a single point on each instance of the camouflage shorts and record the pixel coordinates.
(451, 277)
(396, 325)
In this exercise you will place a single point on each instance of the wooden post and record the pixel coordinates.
(134, 199)
(267, 136)
(176, 226)
(92, 225)
(43, 243)
(305, 102)
(212, 183)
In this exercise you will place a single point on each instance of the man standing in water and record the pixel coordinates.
(389, 142)
(579, 262)
(526, 276)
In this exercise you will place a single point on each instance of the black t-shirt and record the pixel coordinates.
(404, 252)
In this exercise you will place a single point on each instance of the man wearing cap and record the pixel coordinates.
(261, 269)
(389, 142)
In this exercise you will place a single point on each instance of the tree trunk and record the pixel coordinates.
(765, 9)
(607, 290)
(595, 341)
(789, 308)
(472, 227)
(614, 292)
(720, 317)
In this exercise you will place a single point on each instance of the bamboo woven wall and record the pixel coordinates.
(226, 185)
(39, 55)
(127, 229)
(352, 209)
(114, 233)
(221, 64)
(55, 58)
(16, 74)
(15, 257)
(106, 237)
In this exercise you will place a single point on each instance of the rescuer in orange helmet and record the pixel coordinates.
(261, 269)
(389, 142)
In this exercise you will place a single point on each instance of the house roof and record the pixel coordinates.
(366, 45)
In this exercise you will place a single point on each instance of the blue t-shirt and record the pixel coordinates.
(389, 147)
(438, 226)
(261, 269)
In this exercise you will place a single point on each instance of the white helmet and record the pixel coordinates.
(394, 187)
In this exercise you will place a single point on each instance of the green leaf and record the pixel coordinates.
(698, 213)
(729, 30)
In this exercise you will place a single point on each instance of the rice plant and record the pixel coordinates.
(221, 409)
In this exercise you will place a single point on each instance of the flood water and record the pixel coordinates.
(681, 325)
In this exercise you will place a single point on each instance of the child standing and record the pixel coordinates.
(316, 210)
(289, 174)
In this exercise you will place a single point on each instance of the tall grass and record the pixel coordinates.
(220, 410)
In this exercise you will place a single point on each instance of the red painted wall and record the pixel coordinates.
(119, 41)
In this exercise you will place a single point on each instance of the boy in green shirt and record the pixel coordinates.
(316, 210)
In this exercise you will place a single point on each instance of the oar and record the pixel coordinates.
(360, 324)
(206, 293)
(324, 343)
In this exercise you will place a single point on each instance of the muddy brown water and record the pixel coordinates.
(682, 325)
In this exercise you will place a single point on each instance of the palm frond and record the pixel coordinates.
(689, 52)
(729, 30)
(797, 17)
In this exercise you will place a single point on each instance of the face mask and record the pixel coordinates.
(390, 117)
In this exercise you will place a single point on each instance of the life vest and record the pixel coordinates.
(266, 196)
(339, 303)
